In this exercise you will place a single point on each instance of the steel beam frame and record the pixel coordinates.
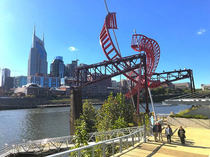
(93, 73)
(176, 75)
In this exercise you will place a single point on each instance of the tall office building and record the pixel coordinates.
(37, 62)
(9, 83)
(57, 67)
(4, 73)
(70, 68)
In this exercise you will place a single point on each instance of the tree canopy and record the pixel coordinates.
(115, 113)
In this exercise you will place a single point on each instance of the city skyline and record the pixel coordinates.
(72, 30)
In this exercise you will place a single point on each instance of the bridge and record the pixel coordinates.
(198, 98)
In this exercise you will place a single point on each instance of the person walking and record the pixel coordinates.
(155, 133)
(181, 134)
(169, 133)
(159, 131)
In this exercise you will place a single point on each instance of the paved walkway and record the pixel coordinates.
(197, 145)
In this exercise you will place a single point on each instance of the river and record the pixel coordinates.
(17, 126)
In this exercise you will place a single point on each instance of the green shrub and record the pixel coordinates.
(189, 116)
(183, 112)
(110, 114)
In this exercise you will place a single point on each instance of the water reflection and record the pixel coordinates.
(33, 124)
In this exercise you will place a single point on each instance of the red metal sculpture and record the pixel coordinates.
(141, 44)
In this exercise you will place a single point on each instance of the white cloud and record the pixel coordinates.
(72, 48)
(201, 31)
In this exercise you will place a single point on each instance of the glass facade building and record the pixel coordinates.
(44, 81)
(4, 73)
(70, 69)
(37, 62)
(57, 67)
(19, 81)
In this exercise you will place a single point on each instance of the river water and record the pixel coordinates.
(17, 126)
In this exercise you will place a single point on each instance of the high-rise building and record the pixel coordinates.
(19, 81)
(37, 62)
(9, 83)
(83, 72)
(70, 69)
(4, 73)
(57, 67)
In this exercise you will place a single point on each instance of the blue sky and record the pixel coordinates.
(182, 29)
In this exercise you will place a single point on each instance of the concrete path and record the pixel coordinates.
(197, 145)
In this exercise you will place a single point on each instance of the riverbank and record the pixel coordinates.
(30, 103)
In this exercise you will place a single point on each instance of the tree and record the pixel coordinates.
(81, 134)
(114, 113)
(154, 92)
(88, 116)
(81, 137)
(168, 91)
(83, 125)
(120, 123)
(186, 90)
(161, 90)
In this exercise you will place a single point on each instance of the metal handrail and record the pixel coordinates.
(62, 142)
(78, 150)
(67, 142)
(137, 136)
(190, 95)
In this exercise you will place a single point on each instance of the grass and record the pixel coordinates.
(67, 100)
(181, 114)
(61, 101)
(190, 116)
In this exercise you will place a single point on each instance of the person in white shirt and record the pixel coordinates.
(169, 133)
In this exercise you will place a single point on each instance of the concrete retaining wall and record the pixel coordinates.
(203, 110)
(198, 123)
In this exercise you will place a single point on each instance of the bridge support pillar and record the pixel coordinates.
(75, 107)
(146, 85)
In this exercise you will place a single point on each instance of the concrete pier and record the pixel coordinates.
(75, 107)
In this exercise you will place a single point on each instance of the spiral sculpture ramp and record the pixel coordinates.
(141, 44)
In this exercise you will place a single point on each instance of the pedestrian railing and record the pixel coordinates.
(63, 143)
(107, 147)
(162, 116)
(110, 147)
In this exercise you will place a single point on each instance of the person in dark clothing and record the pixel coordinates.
(181, 134)
(169, 133)
(159, 131)
(155, 131)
